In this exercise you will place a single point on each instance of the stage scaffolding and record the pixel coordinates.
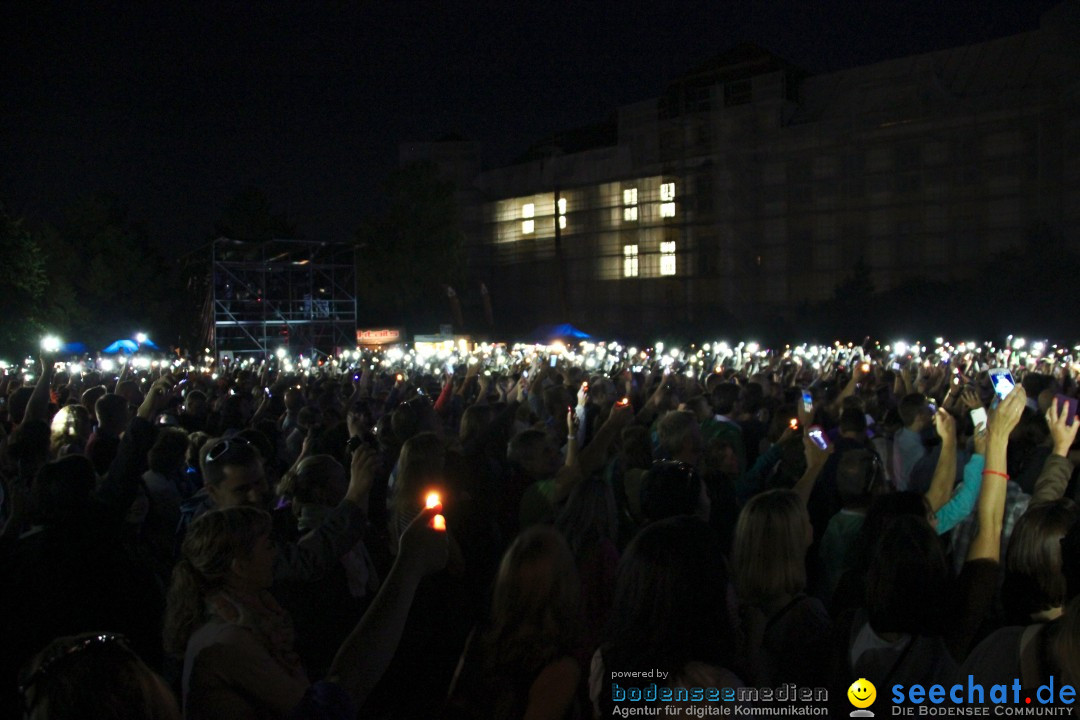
(294, 294)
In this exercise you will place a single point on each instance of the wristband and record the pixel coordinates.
(995, 472)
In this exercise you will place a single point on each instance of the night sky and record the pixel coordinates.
(175, 107)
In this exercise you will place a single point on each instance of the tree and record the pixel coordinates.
(106, 280)
(411, 250)
(22, 286)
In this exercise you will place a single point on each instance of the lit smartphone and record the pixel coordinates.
(553, 361)
(978, 416)
(1002, 380)
(817, 436)
(933, 408)
(1066, 404)
(793, 423)
(807, 401)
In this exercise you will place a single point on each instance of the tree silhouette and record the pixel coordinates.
(22, 286)
(412, 249)
(106, 279)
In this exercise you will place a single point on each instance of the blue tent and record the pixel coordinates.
(129, 346)
(550, 333)
(125, 346)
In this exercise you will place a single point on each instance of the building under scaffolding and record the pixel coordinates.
(750, 188)
(294, 294)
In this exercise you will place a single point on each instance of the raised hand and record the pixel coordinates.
(970, 398)
(1007, 415)
(815, 456)
(423, 547)
(1063, 427)
(155, 399)
(945, 424)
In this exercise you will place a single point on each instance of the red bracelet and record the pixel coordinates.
(995, 472)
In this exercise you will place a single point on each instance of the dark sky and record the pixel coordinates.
(175, 107)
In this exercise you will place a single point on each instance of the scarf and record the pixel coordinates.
(261, 614)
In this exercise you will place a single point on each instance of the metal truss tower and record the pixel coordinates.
(294, 294)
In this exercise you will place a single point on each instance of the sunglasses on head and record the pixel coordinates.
(223, 447)
(63, 655)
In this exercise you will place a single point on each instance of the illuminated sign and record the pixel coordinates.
(378, 336)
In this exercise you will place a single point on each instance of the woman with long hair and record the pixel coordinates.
(672, 612)
(521, 663)
(785, 627)
(589, 522)
(237, 642)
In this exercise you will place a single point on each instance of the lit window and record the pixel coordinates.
(528, 225)
(630, 261)
(562, 206)
(667, 258)
(629, 200)
(667, 210)
(667, 192)
(562, 222)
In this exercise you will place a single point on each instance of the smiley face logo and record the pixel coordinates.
(862, 693)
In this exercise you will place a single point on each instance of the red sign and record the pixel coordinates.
(381, 336)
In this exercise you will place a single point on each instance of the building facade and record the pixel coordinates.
(750, 188)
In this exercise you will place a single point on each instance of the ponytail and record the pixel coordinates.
(185, 607)
(213, 541)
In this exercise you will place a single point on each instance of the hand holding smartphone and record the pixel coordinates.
(978, 416)
(817, 436)
(1003, 381)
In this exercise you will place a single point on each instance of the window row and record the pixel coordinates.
(631, 266)
(630, 208)
(528, 214)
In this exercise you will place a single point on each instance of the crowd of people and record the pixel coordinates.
(516, 533)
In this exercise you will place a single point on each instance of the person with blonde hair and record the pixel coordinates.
(521, 663)
(237, 642)
(786, 628)
(69, 431)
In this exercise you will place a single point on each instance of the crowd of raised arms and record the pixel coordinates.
(522, 531)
